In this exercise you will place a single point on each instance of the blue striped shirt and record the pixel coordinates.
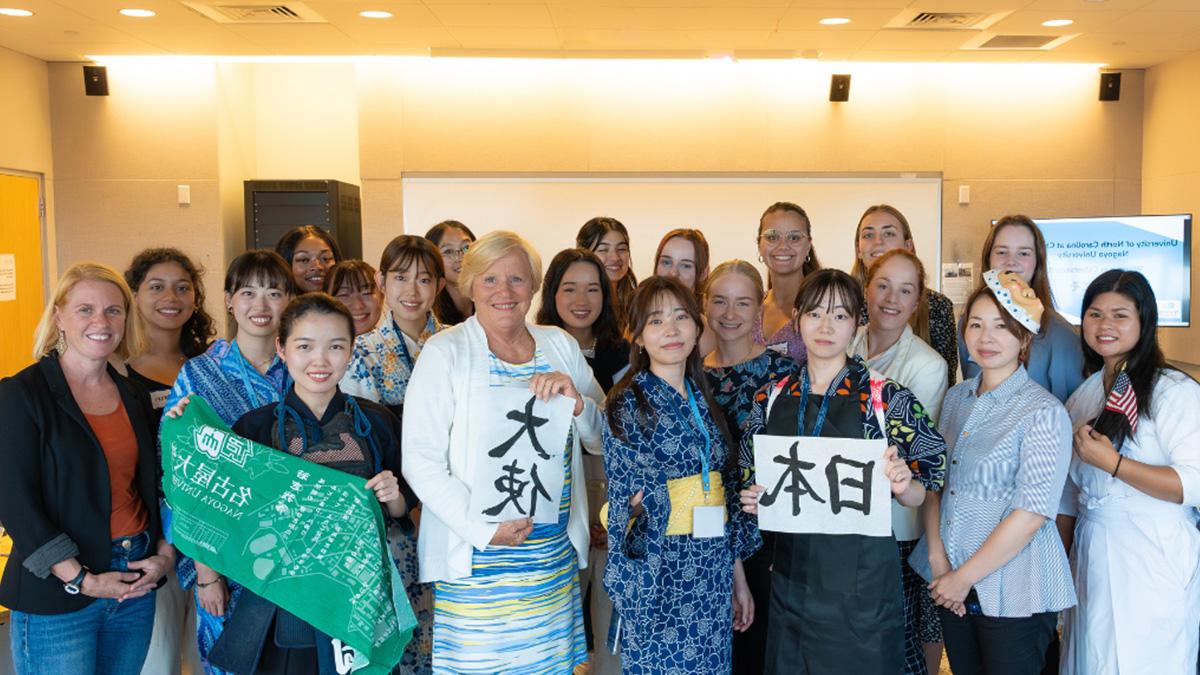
(1010, 449)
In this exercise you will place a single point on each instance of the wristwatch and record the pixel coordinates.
(73, 586)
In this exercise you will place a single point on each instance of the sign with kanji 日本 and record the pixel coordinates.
(822, 485)
(521, 443)
(306, 537)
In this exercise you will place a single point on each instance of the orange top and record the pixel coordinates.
(128, 516)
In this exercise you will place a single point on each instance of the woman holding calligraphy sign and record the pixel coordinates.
(836, 604)
(673, 571)
(1133, 486)
(995, 562)
(495, 415)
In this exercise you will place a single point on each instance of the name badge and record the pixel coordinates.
(708, 521)
(158, 399)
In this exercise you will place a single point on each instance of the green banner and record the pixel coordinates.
(306, 537)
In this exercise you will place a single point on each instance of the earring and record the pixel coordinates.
(60, 345)
(760, 258)
(808, 257)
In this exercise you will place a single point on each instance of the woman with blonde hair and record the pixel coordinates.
(78, 492)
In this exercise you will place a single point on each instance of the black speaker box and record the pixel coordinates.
(95, 80)
(839, 88)
(1110, 86)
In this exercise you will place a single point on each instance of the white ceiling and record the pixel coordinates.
(1119, 33)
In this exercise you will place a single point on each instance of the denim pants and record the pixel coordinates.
(106, 637)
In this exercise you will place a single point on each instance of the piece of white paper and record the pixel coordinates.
(958, 281)
(823, 485)
(8, 277)
(708, 521)
(520, 443)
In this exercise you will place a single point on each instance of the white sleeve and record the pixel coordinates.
(930, 387)
(590, 420)
(429, 405)
(1178, 430)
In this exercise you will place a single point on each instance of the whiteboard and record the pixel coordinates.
(549, 209)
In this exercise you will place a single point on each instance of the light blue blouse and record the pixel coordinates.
(1055, 359)
(1009, 449)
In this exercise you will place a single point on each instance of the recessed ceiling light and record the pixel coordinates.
(138, 13)
(1056, 23)
(834, 21)
(375, 14)
(9, 11)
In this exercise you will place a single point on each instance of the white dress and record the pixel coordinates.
(1136, 559)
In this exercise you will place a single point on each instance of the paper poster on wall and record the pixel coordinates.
(957, 281)
(8, 277)
(823, 485)
(519, 473)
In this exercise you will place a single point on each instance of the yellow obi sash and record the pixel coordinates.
(686, 493)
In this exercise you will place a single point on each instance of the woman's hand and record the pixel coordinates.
(599, 538)
(114, 585)
(950, 591)
(512, 532)
(177, 409)
(387, 491)
(1095, 449)
(635, 504)
(898, 473)
(940, 564)
(750, 497)
(548, 385)
(213, 596)
(153, 568)
(743, 600)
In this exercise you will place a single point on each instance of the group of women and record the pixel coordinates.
(1013, 505)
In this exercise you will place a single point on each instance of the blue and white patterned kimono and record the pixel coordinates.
(673, 593)
(233, 387)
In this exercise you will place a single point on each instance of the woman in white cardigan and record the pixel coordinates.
(506, 595)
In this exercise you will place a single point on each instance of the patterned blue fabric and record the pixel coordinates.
(1010, 449)
(233, 388)
(673, 593)
(734, 387)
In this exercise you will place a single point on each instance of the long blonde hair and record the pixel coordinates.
(46, 336)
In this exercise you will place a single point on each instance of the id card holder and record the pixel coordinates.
(708, 521)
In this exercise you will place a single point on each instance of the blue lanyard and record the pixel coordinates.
(405, 355)
(246, 384)
(707, 438)
(821, 412)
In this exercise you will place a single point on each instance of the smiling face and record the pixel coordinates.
(579, 297)
(365, 305)
(92, 319)
(503, 292)
(309, 262)
(454, 246)
(893, 294)
(678, 259)
(732, 306)
(1112, 326)
(410, 291)
(256, 308)
(613, 251)
(989, 341)
(670, 334)
(166, 298)
(828, 328)
(879, 233)
(1014, 250)
(317, 352)
(783, 242)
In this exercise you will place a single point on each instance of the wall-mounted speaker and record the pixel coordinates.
(839, 88)
(95, 80)
(1110, 86)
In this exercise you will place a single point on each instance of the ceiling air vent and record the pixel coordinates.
(1019, 42)
(256, 13)
(945, 20)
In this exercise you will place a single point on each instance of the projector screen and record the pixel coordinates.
(1159, 247)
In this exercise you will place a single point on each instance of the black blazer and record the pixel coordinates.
(55, 498)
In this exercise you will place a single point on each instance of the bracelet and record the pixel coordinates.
(1118, 466)
(206, 585)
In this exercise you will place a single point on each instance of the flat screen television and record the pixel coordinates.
(1079, 249)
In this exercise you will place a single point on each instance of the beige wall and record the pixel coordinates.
(1171, 171)
(25, 139)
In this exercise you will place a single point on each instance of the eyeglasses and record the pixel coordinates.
(773, 236)
(454, 254)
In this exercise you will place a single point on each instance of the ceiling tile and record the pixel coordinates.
(819, 39)
(510, 38)
(494, 16)
(917, 40)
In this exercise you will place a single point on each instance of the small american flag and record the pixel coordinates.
(1122, 400)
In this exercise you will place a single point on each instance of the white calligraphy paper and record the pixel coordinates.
(520, 442)
(823, 485)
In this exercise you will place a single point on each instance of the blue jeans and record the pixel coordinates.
(106, 637)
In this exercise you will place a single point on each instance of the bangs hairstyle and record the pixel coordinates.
(1040, 283)
(741, 267)
(700, 250)
(45, 336)
(491, 247)
(318, 303)
(605, 328)
(829, 288)
(291, 239)
(200, 329)
(811, 264)
(358, 275)
(1016, 328)
(649, 294)
(401, 252)
(259, 266)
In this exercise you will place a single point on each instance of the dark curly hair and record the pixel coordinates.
(200, 329)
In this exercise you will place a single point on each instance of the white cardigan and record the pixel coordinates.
(437, 461)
